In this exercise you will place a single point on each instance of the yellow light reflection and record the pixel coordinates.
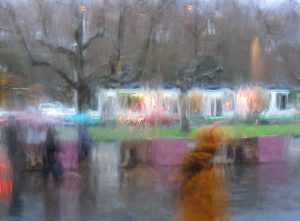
(257, 61)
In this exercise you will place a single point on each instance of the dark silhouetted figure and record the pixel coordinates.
(84, 143)
(51, 163)
(16, 156)
(16, 152)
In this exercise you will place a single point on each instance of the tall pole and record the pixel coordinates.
(85, 32)
(83, 23)
(83, 12)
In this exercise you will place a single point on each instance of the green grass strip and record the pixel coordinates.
(119, 133)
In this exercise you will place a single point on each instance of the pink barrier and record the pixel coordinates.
(167, 177)
(167, 152)
(272, 149)
(68, 155)
(275, 173)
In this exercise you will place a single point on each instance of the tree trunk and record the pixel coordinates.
(184, 123)
(83, 97)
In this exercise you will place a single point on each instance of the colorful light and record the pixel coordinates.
(3, 166)
(5, 187)
(189, 8)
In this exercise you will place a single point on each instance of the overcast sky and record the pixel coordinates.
(271, 2)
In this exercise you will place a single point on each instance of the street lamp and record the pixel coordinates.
(189, 8)
(82, 8)
(83, 12)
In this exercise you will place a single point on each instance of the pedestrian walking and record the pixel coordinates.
(16, 156)
(84, 143)
(15, 149)
(51, 163)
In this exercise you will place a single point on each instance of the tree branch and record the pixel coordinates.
(210, 74)
(34, 61)
(5, 29)
(99, 33)
(155, 18)
(121, 30)
(161, 8)
(62, 74)
(52, 48)
(40, 7)
(19, 32)
(115, 57)
(58, 49)
(97, 74)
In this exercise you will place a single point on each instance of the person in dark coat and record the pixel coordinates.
(51, 164)
(16, 156)
(15, 150)
(84, 143)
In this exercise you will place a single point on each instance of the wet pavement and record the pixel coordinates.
(106, 192)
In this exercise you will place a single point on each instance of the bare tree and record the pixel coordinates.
(79, 72)
(195, 43)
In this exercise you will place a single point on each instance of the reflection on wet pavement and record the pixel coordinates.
(264, 192)
(105, 191)
(203, 197)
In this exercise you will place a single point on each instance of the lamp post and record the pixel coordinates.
(83, 13)
(189, 8)
(82, 10)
